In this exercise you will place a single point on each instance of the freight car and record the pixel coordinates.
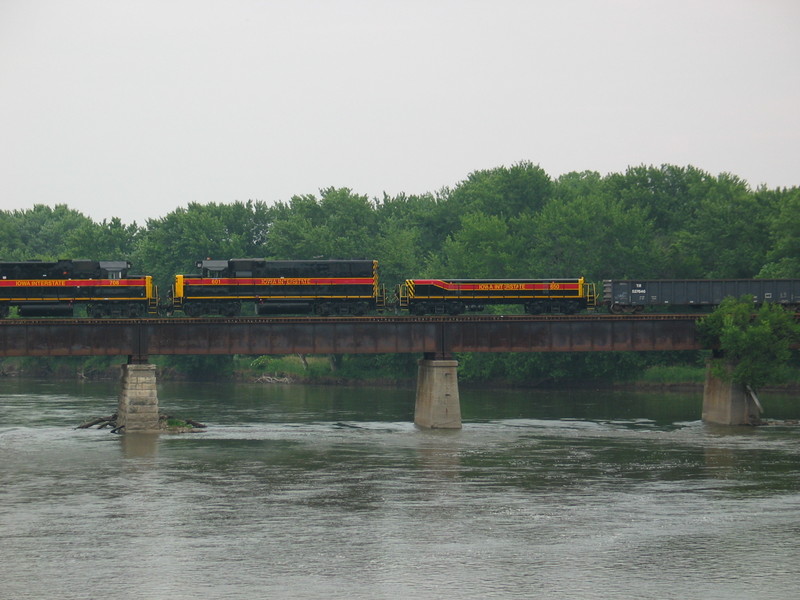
(455, 296)
(55, 288)
(633, 296)
(322, 287)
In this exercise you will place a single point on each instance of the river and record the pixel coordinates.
(331, 492)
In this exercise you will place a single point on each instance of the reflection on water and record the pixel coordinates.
(313, 492)
(140, 445)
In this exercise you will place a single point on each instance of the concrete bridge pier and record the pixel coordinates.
(138, 400)
(438, 405)
(729, 403)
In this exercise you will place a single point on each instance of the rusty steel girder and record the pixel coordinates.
(347, 335)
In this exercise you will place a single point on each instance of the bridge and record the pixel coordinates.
(436, 338)
(440, 336)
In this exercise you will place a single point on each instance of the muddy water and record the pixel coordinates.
(315, 492)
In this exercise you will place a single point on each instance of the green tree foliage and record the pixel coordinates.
(594, 235)
(479, 249)
(105, 241)
(504, 192)
(397, 248)
(728, 236)
(40, 233)
(428, 217)
(784, 229)
(667, 193)
(340, 224)
(172, 244)
(757, 343)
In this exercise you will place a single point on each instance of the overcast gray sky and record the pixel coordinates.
(132, 108)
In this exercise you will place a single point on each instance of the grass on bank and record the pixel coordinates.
(663, 374)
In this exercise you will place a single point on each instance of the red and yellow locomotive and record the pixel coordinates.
(456, 296)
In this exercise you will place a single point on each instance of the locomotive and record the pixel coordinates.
(321, 287)
(456, 296)
(56, 288)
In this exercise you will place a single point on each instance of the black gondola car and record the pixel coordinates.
(455, 296)
(323, 287)
(54, 288)
(634, 295)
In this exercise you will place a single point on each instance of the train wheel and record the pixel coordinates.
(616, 309)
(455, 308)
(3, 312)
(573, 307)
(232, 309)
(192, 309)
(135, 311)
(418, 309)
(534, 308)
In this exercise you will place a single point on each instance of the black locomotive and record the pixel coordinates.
(55, 288)
(322, 287)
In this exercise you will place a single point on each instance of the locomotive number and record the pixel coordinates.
(555, 286)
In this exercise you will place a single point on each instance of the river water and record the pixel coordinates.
(331, 492)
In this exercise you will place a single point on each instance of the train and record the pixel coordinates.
(231, 287)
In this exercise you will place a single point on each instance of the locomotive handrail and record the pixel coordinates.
(590, 291)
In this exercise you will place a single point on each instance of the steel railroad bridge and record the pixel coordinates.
(439, 336)
(436, 338)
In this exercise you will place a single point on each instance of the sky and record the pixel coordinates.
(134, 108)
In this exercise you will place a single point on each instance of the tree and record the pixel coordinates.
(729, 234)
(41, 232)
(479, 249)
(105, 241)
(757, 345)
(172, 244)
(594, 236)
(505, 192)
(340, 224)
(784, 255)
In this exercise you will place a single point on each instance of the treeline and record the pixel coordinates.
(507, 222)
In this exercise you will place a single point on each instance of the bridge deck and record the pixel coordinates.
(347, 335)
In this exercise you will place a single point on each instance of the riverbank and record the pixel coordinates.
(322, 370)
